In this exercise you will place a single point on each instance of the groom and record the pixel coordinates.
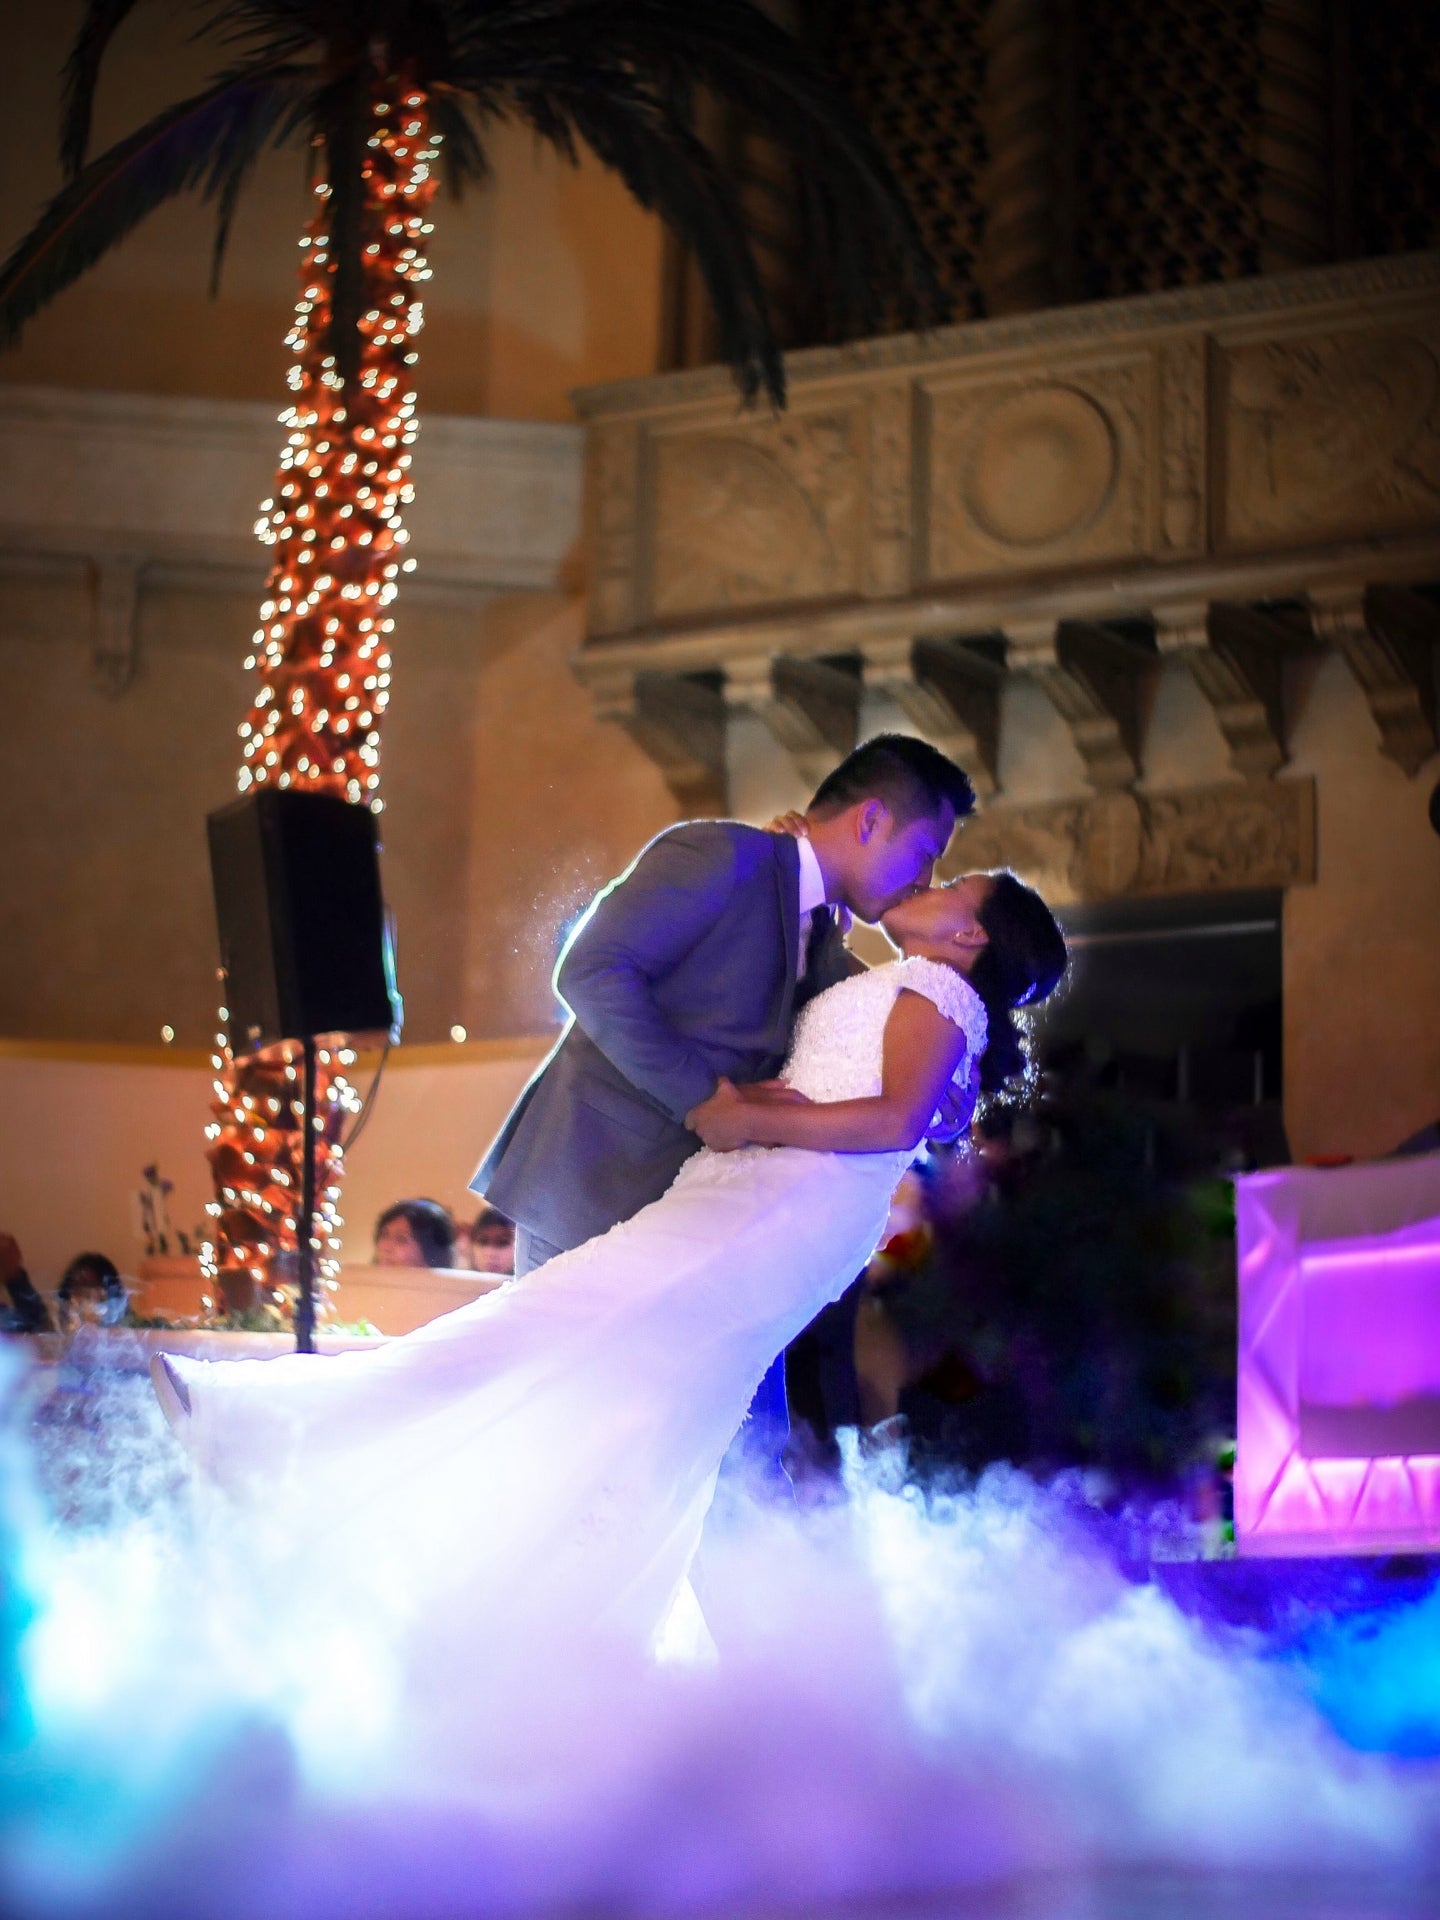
(693, 965)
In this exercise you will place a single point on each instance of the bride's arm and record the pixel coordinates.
(922, 1051)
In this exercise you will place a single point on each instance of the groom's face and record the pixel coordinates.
(895, 859)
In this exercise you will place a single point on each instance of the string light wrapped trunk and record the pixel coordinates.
(321, 658)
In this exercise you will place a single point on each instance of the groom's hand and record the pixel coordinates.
(779, 1091)
(719, 1121)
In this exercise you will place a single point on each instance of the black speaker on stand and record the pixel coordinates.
(304, 950)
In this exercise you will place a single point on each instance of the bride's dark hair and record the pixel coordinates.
(1021, 964)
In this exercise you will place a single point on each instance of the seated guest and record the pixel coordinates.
(492, 1242)
(92, 1290)
(27, 1312)
(415, 1233)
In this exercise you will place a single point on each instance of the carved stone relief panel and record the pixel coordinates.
(1182, 528)
(761, 511)
(1331, 433)
(613, 499)
(1032, 470)
(1191, 840)
(891, 491)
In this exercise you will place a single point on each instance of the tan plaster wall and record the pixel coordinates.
(74, 1135)
(559, 804)
(546, 279)
(106, 923)
(1362, 946)
(507, 804)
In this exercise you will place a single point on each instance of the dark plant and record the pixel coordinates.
(620, 77)
(1084, 1315)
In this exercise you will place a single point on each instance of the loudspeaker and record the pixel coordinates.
(303, 940)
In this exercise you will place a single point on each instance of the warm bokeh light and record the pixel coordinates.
(321, 661)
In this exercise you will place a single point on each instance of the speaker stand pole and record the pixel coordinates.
(305, 1276)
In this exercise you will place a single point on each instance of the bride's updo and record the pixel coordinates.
(1021, 964)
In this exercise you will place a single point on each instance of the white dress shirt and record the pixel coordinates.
(812, 899)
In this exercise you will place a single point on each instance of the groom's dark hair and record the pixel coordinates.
(913, 778)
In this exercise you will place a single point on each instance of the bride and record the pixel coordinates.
(537, 1465)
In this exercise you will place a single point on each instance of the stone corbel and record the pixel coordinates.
(811, 706)
(114, 621)
(1091, 674)
(950, 691)
(679, 721)
(1389, 637)
(1234, 655)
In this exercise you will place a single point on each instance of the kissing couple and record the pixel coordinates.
(704, 1161)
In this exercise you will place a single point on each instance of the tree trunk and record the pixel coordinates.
(321, 658)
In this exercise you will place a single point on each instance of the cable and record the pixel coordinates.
(368, 1103)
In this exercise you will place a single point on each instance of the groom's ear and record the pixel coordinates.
(870, 818)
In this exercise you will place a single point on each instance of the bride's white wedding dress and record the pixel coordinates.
(539, 1463)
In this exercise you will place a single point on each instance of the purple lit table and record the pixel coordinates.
(1339, 1364)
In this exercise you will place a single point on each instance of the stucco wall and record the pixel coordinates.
(76, 1131)
(1362, 946)
(507, 804)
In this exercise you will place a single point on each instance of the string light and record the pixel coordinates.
(335, 524)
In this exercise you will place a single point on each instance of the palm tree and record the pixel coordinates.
(378, 92)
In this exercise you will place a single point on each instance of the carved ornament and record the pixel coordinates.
(1031, 471)
(949, 691)
(1331, 434)
(767, 512)
(679, 721)
(811, 706)
(115, 622)
(1235, 655)
(1191, 840)
(1091, 674)
(1389, 637)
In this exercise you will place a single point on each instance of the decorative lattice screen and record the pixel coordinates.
(1395, 79)
(1165, 163)
(915, 70)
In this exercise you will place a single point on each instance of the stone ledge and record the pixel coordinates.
(170, 485)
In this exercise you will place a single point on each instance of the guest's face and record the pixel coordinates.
(396, 1245)
(492, 1249)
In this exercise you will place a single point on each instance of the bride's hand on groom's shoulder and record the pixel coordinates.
(795, 824)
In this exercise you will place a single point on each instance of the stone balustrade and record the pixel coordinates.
(1233, 477)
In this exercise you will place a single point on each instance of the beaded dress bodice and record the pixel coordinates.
(838, 1047)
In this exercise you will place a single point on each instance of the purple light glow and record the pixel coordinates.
(1339, 1364)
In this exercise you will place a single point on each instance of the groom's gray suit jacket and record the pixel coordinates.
(683, 969)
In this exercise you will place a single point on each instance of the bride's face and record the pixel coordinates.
(942, 921)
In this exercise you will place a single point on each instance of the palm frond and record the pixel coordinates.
(102, 20)
(462, 154)
(175, 152)
(672, 173)
(619, 76)
(861, 222)
(276, 119)
(864, 242)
